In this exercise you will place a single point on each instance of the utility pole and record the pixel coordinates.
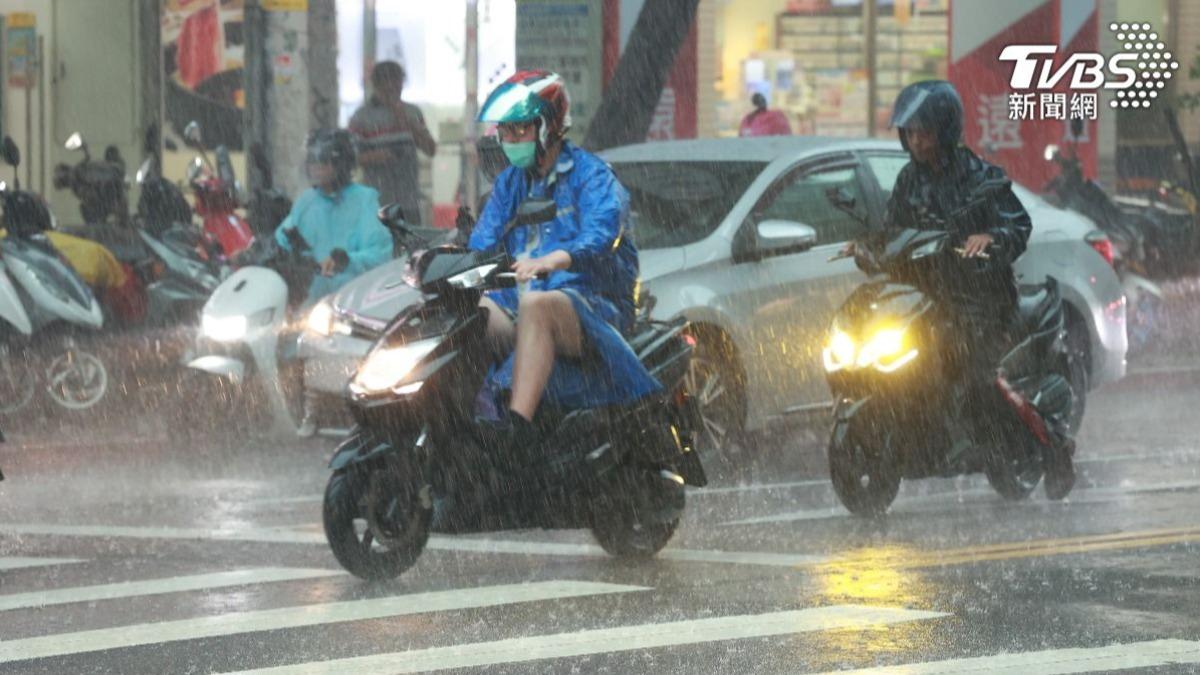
(370, 38)
(869, 16)
(470, 109)
(149, 13)
(257, 109)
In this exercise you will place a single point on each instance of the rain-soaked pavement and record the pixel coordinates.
(121, 552)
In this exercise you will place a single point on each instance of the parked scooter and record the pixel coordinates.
(1132, 236)
(170, 276)
(890, 364)
(416, 463)
(218, 196)
(47, 310)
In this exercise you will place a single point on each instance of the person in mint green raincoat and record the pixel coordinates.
(564, 332)
(337, 217)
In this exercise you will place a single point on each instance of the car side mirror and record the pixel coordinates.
(775, 238)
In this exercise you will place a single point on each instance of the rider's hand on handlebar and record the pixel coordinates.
(976, 245)
(540, 267)
(328, 267)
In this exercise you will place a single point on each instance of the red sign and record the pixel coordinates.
(1012, 128)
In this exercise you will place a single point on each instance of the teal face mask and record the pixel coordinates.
(522, 155)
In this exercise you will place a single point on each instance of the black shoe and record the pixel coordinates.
(512, 442)
(1060, 470)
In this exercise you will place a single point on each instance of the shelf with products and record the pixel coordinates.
(828, 93)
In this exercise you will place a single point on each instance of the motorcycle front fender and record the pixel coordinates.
(360, 448)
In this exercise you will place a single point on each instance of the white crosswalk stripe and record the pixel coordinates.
(296, 617)
(22, 562)
(607, 640)
(436, 543)
(130, 589)
(1055, 661)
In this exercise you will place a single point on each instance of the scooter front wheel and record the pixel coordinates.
(862, 474)
(375, 521)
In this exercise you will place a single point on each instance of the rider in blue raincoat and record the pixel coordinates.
(338, 218)
(564, 332)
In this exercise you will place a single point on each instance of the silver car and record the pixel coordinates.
(736, 235)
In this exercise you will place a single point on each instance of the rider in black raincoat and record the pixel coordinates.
(943, 177)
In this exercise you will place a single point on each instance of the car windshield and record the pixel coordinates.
(677, 203)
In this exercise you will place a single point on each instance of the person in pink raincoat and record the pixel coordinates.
(763, 122)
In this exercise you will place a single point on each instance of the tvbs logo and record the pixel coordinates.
(1136, 74)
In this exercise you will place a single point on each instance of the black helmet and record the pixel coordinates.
(933, 105)
(334, 147)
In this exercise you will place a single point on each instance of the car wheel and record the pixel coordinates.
(1078, 348)
(716, 384)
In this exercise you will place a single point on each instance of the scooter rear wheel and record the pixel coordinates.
(865, 481)
(375, 521)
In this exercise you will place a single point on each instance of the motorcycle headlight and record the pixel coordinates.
(887, 350)
(224, 328)
(385, 368)
(320, 319)
(839, 352)
(472, 278)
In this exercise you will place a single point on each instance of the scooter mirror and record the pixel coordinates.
(144, 170)
(392, 216)
(191, 133)
(75, 142)
(10, 152)
(1050, 152)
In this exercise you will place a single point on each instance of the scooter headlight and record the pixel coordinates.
(234, 328)
(839, 351)
(224, 328)
(320, 319)
(887, 350)
(885, 346)
(386, 368)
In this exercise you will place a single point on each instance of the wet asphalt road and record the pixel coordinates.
(121, 552)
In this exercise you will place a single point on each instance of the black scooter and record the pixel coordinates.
(890, 364)
(417, 463)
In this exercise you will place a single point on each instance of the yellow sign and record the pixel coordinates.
(22, 20)
(285, 5)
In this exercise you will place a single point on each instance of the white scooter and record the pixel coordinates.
(242, 330)
(43, 307)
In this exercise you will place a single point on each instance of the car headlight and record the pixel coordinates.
(472, 277)
(224, 328)
(385, 368)
(320, 319)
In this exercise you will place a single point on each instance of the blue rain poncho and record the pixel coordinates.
(592, 225)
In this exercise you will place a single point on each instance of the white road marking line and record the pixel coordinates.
(21, 562)
(295, 617)
(697, 492)
(608, 640)
(442, 543)
(935, 500)
(1055, 661)
(130, 589)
